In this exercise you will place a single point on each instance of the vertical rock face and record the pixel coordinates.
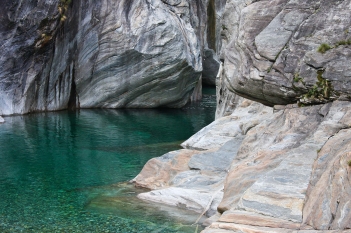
(270, 50)
(229, 26)
(291, 172)
(109, 54)
(145, 56)
(26, 35)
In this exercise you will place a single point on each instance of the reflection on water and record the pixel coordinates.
(56, 168)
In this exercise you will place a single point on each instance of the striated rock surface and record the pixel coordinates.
(270, 50)
(108, 54)
(247, 115)
(174, 182)
(292, 172)
(328, 203)
(289, 170)
(193, 178)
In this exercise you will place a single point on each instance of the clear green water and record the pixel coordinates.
(63, 171)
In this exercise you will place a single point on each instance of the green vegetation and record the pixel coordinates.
(321, 89)
(349, 163)
(321, 92)
(323, 48)
(343, 42)
(297, 78)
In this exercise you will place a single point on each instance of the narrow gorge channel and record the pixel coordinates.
(57, 168)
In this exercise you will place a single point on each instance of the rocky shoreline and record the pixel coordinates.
(262, 169)
(282, 168)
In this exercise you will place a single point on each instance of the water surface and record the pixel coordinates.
(62, 171)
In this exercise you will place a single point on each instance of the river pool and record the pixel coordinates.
(66, 171)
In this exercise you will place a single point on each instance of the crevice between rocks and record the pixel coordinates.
(73, 102)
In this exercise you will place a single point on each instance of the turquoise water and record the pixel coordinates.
(64, 171)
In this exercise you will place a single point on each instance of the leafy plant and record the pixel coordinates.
(349, 163)
(321, 92)
(323, 48)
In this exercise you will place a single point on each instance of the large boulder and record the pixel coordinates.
(288, 51)
(106, 54)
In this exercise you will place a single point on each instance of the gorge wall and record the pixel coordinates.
(63, 54)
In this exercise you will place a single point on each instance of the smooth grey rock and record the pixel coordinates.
(272, 40)
(195, 200)
(270, 50)
(107, 54)
(247, 115)
(218, 160)
(226, 100)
